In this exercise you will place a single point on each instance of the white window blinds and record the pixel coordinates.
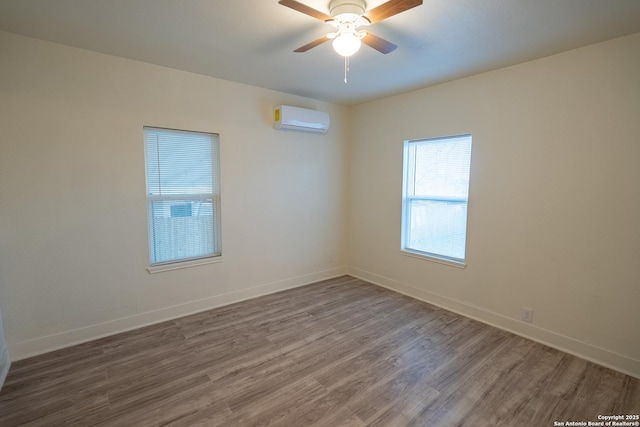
(183, 195)
(436, 193)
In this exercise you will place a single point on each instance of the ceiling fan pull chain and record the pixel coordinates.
(346, 68)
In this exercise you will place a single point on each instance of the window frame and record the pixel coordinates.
(408, 197)
(214, 196)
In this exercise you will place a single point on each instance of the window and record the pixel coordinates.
(183, 195)
(435, 197)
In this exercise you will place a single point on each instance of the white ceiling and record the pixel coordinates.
(252, 41)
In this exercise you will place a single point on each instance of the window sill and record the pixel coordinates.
(184, 264)
(431, 258)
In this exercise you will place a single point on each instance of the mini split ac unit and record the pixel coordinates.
(300, 119)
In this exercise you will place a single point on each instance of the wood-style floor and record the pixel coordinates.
(336, 353)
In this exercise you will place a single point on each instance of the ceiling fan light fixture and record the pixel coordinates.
(346, 44)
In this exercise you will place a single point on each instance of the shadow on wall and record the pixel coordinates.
(4, 356)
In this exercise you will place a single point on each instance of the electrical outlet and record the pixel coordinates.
(527, 314)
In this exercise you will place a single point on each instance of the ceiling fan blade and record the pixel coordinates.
(390, 8)
(313, 44)
(293, 4)
(378, 43)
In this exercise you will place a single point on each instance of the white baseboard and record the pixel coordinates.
(578, 348)
(5, 363)
(22, 350)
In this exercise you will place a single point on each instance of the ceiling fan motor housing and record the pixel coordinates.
(347, 10)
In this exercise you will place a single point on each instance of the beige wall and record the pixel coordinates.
(554, 204)
(73, 226)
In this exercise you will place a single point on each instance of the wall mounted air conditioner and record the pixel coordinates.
(300, 119)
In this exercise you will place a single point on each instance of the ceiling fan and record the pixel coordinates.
(346, 16)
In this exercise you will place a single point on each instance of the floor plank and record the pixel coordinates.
(340, 352)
